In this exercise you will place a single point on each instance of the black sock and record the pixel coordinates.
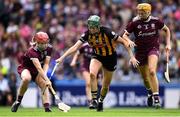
(94, 95)
(149, 92)
(19, 99)
(101, 98)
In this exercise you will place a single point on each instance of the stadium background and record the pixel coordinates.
(64, 21)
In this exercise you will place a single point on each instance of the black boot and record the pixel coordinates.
(48, 110)
(100, 105)
(15, 106)
(150, 100)
(93, 104)
(157, 104)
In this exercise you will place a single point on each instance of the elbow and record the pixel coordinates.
(166, 29)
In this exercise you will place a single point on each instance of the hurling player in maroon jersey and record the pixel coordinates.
(33, 67)
(145, 28)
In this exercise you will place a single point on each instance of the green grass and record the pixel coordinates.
(84, 112)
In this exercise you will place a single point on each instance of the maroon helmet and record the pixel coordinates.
(41, 37)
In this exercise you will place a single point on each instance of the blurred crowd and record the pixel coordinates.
(65, 21)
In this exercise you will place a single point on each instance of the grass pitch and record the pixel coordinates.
(85, 112)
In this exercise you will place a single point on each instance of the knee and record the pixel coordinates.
(152, 72)
(92, 76)
(26, 77)
(26, 80)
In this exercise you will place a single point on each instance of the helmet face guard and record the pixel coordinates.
(144, 10)
(93, 22)
(42, 46)
(41, 39)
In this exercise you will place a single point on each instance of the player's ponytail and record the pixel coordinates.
(32, 42)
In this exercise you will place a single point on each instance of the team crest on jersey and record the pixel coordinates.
(139, 26)
(91, 49)
(86, 50)
(153, 26)
(146, 26)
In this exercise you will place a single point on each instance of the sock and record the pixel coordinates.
(104, 91)
(156, 97)
(149, 92)
(19, 99)
(101, 98)
(94, 95)
(46, 106)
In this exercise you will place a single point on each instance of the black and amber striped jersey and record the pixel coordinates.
(102, 43)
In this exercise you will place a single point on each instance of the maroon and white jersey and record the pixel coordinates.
(87, 53)
(32, 52)
(146, 32)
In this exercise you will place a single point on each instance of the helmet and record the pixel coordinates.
(94, 21)
(145, 8)
(41, 37)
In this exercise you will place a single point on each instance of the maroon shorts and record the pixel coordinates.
(84, 68)
(142, 57)
(33, 74)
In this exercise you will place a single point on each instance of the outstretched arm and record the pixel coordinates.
(126, 37)
(71, 50)
(133, 60)
(74, 60)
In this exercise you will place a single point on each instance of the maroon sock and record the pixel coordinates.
(156, 98)
(46, 105)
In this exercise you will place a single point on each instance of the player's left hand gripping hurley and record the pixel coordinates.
(166, 73)
(62, 106)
